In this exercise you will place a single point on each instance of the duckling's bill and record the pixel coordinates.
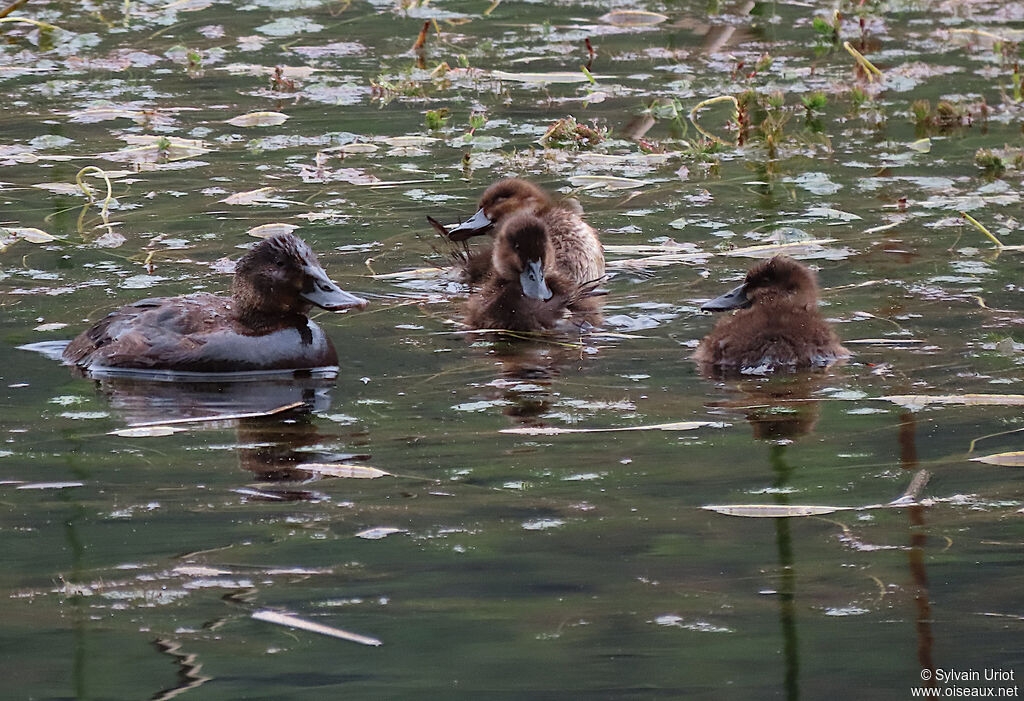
(323, 292)
(478, 224)
(533, 283)
(735, 298)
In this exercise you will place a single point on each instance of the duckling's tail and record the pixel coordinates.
(472, 264)
(588, 290)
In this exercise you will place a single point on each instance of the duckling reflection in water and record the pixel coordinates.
(578, 254)
(780, 408)
(262, 326)
(777, 328)
(522, 292)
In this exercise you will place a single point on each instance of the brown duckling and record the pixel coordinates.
(778, 326)
(579, 256)
(262, 326)
(521, 292)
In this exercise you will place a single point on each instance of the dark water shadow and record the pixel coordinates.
(781, 409)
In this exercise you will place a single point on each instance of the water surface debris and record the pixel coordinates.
(221, 417)
(286, 619)
(258, 119)
(342, 470)
(554, 430)
(1012, 459)
(919, 401)
(774, 510)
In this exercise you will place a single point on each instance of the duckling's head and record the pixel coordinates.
(778, 280)
(500, 200)
(521, 250)
(280, 276)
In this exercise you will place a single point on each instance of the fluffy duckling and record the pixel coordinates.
(262, 326)
(778, 326)
(521, 292)
(579, 256)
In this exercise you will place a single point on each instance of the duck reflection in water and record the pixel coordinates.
(270, 447)
(526, 373)
(781, 408)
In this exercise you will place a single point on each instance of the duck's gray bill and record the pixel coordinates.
(735, 298)
(475, 225)
(532, 281)
(321, 291)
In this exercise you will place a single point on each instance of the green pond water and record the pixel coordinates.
(509, 565)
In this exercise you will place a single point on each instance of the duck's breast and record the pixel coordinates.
(302, 346)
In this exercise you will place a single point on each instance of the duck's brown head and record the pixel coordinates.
(778, 280)
(521, 250)
(281, 276)
(501, 200)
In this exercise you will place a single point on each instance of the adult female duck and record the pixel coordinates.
(262, 326)
(522, 293)
(778, 328)
(578, 254)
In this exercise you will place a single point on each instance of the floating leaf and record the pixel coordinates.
(884, 341)
(200, 571)
(342, 470)
(29, 234)
(541, 78)
(1014, 459)
(794, 248)
(49, 485)
(830, 213)
(221, 417)
(287, 619)
(346, 149)
(553, 431)
(921, 145)
(258, 119)
(608, 182)
(408, 141)
(378, 533)
(61, 188)
(633, 18)
(918, 401)
(104, 113)
(157, 150)
(264, 231)
(774, 510)
(408, 274)
(251, 196)
(146, 431)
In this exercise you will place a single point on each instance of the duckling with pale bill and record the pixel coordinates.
(522, 293)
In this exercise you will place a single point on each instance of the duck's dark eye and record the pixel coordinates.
(279, 262)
